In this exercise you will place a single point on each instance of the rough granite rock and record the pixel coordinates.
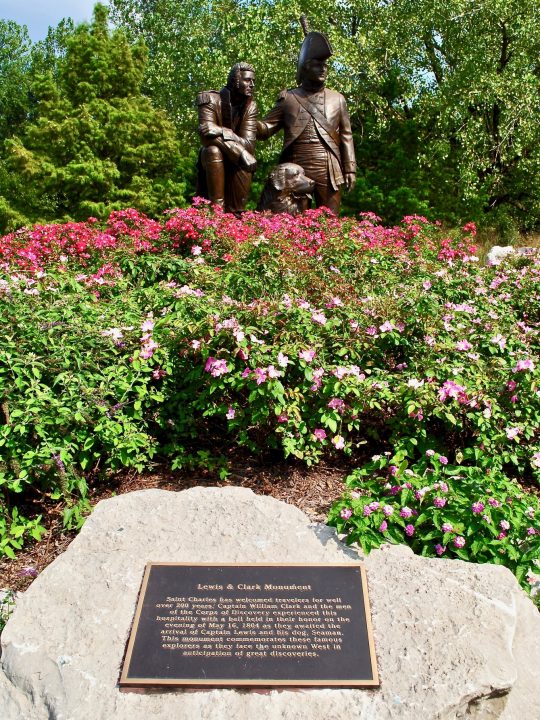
(453, 640)
(498, 253)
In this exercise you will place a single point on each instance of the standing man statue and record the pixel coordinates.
(228, 130)
(316, 124)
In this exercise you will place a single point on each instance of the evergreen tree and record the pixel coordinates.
(95, 143)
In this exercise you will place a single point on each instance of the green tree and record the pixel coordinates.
(15, 62)
(476, 68)
(96, 143)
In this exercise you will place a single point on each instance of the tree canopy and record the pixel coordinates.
(94, 142)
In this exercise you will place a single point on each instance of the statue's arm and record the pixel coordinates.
(348, 158)
(235, 148)
(272, 122)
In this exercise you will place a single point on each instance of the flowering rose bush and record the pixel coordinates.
(137, 341)
(442, 510)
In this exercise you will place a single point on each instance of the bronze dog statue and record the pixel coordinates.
(287, 190)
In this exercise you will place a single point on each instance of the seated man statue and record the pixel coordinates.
(228, 129)
(316, 125)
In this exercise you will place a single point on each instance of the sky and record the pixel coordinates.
(37, 15)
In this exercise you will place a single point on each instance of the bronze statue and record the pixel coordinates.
(287, 190)
(227, 126)
(316, 124)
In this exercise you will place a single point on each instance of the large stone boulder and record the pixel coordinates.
(453, 640)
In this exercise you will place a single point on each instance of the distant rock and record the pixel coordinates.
(453, 640)
(498, 253)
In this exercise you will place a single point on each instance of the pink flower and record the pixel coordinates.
(148, 325)
(319, 318)
(319, 434)
(426, 284)
(459, 541)
(147, 349)
(477, 507)
(195, 344)
(501, 536)
(231, 412)
(372, 331)
(463, 345)
(439, 549)
(447, 527)
(499, 340)
(272, 372)
(383, 527)
(338, 442)
(406, 512)
(337, 404)
(451, 389)
(334, 302)
(439, 502)
(386, 327)
(388, 510)
(512, 433)
(511, 385)
(282, 360)
(260, 375)
(409, 530)
(114, 333)
(196, 250)
(283, 418)
(535, 460)
(504, 525)
(158, 374)
(307, 355)
(346, 513)
(430, 453)
(524, 365)
(216, 367)
(443, 460)
(531, 531)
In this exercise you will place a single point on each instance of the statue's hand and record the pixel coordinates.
(261, 131)
(247, 161)
(350, 181)
(209, 130)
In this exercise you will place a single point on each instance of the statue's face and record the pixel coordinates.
(246, 83)
(315, 70)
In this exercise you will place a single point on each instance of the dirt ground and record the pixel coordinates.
(313, 490)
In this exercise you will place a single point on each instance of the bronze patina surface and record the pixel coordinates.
(227, 128)
(316, 125)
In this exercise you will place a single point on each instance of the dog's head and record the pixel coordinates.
(287, 190)
(290, 179)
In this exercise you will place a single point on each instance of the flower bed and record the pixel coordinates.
(141, 340)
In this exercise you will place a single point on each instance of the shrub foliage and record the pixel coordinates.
(135, 341)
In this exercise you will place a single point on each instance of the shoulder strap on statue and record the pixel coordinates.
(317, 115)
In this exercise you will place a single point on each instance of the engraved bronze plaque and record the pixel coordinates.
(258, 625)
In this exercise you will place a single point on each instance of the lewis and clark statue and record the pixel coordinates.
(318, 152)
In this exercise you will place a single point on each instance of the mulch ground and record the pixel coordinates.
(313, 490)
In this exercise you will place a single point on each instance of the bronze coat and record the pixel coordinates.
(288, 114)
(214, 107)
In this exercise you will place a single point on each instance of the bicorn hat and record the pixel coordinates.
(315, 46)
